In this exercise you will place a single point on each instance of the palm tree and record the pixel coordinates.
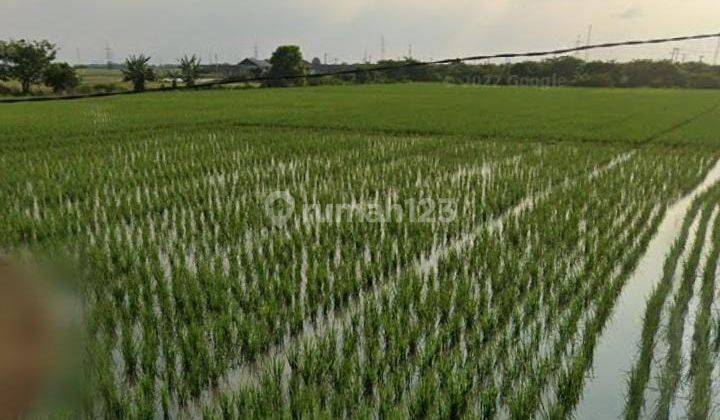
(138, 72)
(190, 69)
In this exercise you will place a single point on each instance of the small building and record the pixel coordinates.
(254, 66)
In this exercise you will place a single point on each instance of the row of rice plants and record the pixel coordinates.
(594, 311)
(670, 375)
(702, 360)
(422, 268)
(185, 280)
(640, 374)
(416, 347)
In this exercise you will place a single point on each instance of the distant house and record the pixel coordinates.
(318, 67)
(254, 66)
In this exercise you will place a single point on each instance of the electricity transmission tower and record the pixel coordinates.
(382, 47)
(578, 43)
(675, 55)
(108, 56)
(589, 37)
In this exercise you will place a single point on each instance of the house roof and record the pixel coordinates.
(254, 62)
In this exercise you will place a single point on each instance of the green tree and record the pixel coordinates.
(4, 61)
(565, 67)
(190, 69)
(60, 77)
(287, 61)
(138, 71)
(27, 61)
(652, 73)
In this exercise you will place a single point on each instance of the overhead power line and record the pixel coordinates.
(389, 67)
(531, 54)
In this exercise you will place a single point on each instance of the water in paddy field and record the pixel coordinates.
(616, 351)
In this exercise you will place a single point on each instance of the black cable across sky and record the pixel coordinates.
(380, 68)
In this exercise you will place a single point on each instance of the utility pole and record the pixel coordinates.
(587, 44)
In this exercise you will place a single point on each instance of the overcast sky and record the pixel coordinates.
(348, 29)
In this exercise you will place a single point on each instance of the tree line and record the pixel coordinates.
(288, 68)
(553, 72)
(33, 63)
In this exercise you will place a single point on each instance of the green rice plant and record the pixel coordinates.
(702, 360)
(671, 374)
(640, 374)
(452, 329)
(570, 115)
(571, 382)
(189, 292)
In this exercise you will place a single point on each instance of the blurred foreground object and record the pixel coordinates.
(26, 340)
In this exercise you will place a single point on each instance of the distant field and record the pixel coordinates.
(94, 77)
(100, 76)
(616, 115)
(89, 78)
(198, 301)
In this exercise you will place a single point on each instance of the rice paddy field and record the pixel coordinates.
(569, 271)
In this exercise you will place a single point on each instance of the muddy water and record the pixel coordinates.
(604, 394)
